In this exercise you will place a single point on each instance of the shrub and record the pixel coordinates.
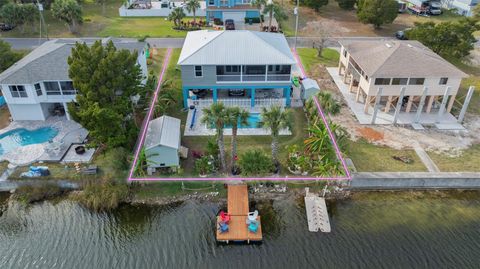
(255, 162)
(29, 194)
(205, 165)
(254, 20)
(103, 196)
(217, 21)
(149, 61)
(113, 163)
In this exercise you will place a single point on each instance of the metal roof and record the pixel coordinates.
(49, 61)
(309, 83)
(239, 47)
(163, 131)
(399, 58)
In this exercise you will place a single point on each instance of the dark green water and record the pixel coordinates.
(395, 230)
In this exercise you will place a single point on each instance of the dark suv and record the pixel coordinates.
(229, 24)
(6, 27)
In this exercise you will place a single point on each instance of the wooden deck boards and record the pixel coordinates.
(238, 209)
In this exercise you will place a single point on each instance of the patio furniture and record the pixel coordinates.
(252, 216)
(225, 217)
(253, 227)
(223, 227)
(90, 170)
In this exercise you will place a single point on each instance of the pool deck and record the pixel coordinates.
(238, 209)
(201, 129)
(69, 132)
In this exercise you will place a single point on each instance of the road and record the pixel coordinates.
(31, 43)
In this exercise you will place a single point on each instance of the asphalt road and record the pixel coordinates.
(31, 43)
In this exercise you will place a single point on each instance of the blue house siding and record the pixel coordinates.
(214, 14)
(252, 14)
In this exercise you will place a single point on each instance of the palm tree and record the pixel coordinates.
(259, 4)
(176, 16)
(272, 8)
(235, 117)
(319, 143)
(165, 99)
(216, 114)
(328, 103)
(192, 6)
(275, 119)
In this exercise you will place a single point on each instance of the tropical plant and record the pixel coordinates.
(315, 4)
(272, 8)
(259, 4)
(216, 115)
(377, 12)
(275, 119)
(143, 162)
(103, 104)
(328, 104)
(319, 143)
(9, 57)
(165, 99)
(236, 117)
(204, 165)
(346, 4)
(298, 162)
(177, 16)
(192, 6)
(256, 163)
(68, 11)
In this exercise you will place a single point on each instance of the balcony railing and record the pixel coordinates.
(253, 78)
(239, 102)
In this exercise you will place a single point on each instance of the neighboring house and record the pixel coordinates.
(238, 68)
(162, 143)
(38, 85)
(393, 65)
(236, 10)
(462, 7)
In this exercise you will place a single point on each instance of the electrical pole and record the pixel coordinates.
(295, 11)
(42, 22)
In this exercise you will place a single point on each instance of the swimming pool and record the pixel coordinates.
(22, 137)
(252, 122)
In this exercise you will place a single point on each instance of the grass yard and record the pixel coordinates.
(309, 57)
(152, 190)
(469, 161)
(108, 24)
(372, 158)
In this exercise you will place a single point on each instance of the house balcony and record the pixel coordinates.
(254, 78)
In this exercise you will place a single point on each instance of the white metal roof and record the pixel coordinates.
(163, 131)
(239, 47)
(309, 83)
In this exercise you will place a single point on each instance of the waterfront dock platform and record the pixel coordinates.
(317, 214)
(238, 209)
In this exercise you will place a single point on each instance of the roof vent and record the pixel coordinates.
(388, 45)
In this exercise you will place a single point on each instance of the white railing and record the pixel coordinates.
(278, 77)
(252, 78)
(239, 102)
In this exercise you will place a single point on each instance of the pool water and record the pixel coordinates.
(252, 122)
(22, 137)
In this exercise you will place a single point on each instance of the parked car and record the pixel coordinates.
(236, 92)
(401, 35)
(435, 8)
(6, 27)
(229, 24)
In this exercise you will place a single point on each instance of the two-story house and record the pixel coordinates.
(398, 71)
(236, 10)
(238, 68)
(38, 85)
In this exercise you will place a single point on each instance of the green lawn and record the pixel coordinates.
(108, 24)
(152, 190)
(309, 57)
(469, 161)
(372, 158)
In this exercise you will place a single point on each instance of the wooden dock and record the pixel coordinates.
(238, 209)
(317, 214)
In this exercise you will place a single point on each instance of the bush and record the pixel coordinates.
(254, 20)
(113, 163)
(217, 21)
(255, 162)
(29, 194)
(103, 196)
(149, 61)
(205, 165)
(186, 28)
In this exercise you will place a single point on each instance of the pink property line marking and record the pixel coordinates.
(150, 111)
(320, 112)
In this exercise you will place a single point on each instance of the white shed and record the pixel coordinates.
(309, 88)
(162, 143)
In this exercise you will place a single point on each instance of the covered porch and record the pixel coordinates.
(241, 96)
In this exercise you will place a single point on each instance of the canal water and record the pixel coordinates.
(371, 230)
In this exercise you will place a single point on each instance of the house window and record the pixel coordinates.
(416, 81)
(67, 88)
(232, 68)
(38, 89)
(211, 2)
(52, 88)
(18, 91)
(345, 53)
(443, 81)
(399, 81)
(198, 71)
(224, 3)
(382, 81)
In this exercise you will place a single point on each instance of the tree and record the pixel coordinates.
(176, 16)
(68, 11)
(102, 2)
(377, 12)
(449, 39)
(216, 115)
(19, 14)
(192, 6)
(315, 4)
(346, 4)
(235, 117)
(259, 4)
(9, 57)
(272, 8)
(275, 118)
(105, 79)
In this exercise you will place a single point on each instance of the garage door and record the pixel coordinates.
(235, 16)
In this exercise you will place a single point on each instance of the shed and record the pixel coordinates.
(162, 143)
(309, 88)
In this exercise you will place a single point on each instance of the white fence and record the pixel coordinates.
(240, 102)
